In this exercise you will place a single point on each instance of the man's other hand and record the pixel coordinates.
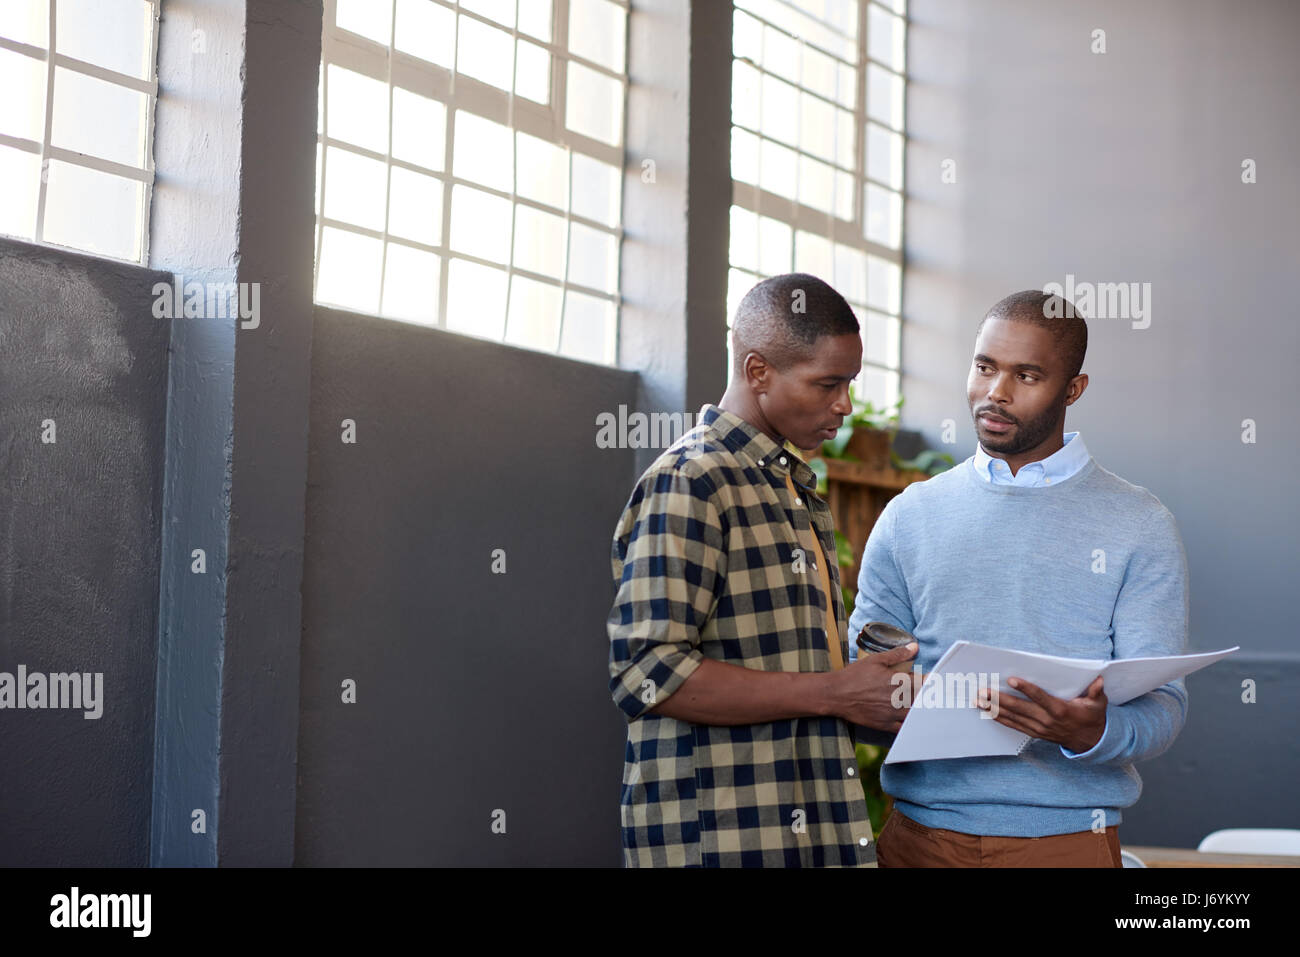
(866, 691)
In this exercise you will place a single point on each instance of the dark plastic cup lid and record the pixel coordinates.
(882, 636)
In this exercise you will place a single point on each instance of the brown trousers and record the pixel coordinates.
(907, 843)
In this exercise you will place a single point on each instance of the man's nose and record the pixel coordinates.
(998, 389)
(843, 402)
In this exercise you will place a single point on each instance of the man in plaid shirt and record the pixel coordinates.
(740, 749)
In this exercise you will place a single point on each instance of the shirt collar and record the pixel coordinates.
(1058, 466)
(744, 439)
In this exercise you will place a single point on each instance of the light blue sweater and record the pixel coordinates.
(1092, 567)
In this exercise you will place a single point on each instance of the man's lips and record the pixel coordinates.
(994, 423)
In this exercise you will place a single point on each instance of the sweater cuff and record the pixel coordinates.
(1105, 746)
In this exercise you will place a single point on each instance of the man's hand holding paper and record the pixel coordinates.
(1075, 723)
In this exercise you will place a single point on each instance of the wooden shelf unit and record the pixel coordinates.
(857, 494)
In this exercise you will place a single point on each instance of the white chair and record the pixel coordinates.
(1130, 859)
(1252, 840)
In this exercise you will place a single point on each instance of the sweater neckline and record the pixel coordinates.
(1075, 479)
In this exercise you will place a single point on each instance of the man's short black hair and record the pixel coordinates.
(782, 317)
(1051, 312)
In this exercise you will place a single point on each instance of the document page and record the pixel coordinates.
(944, 721)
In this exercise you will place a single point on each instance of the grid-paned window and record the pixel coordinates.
(817, 160)
(77, 91)
(469, 167)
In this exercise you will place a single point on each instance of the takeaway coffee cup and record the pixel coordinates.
(878, 636)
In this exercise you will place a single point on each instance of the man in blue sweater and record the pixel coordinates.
(1029, 544)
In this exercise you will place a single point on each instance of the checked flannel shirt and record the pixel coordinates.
(707, 563)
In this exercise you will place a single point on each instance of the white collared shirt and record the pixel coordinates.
(1053, 470)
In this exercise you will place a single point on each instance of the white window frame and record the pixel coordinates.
(458, 91)
(47, 151)
(800, 217)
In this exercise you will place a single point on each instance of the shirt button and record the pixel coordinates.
(760, 461)
(798, 501)
(1048, 481)
(852, 770)
(864, 841)
(783, 460)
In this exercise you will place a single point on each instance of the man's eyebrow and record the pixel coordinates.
(1023, 366)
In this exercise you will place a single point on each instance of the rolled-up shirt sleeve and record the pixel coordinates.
(669, 566)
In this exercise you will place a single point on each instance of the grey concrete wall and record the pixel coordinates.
(79, 549)
(475, 691)
(1126, 167)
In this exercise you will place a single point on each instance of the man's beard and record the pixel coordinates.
(1027, 435)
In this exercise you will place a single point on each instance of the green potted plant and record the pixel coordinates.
(871, 757)
(865, 436)
(930, 461)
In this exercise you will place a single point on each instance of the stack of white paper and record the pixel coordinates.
(944, 721)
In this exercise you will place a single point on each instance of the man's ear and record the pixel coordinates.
(757, 372)
(1075, 389)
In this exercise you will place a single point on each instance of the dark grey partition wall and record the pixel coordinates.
(457, 572)
(83, 388)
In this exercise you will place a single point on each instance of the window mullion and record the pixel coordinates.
(514, 167)
(49, 122)
(151, 109)
(860, 121)
(560, 86)
(388, 156)
(449, 145)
